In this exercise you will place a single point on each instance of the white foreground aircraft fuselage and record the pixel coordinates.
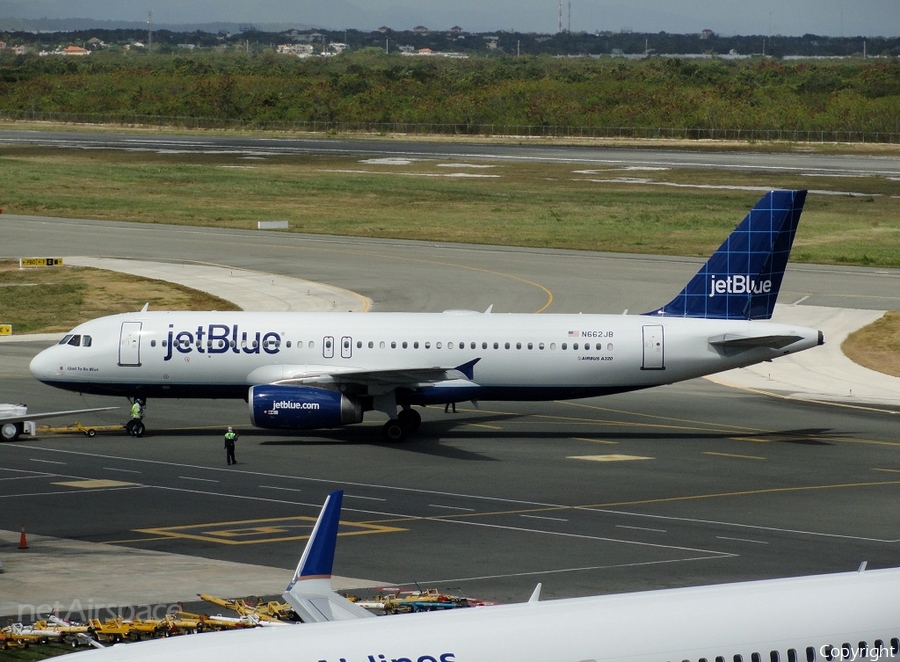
(316, 370)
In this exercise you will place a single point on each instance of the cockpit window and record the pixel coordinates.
(76, 340)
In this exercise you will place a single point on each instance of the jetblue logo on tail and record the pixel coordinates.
(738, 285)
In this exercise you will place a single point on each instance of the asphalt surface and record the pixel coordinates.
(399, 146)
(684, 484)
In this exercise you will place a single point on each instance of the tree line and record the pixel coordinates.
(369, 86)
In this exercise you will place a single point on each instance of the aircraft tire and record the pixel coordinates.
(91, 432)
(10, 431)
(394, 431)
(137, 429)
(410, 419)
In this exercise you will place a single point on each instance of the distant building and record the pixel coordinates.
(73, 50)
(384, 29)
(707, 34)
(421, 29)
(455, 30)
(297, 50)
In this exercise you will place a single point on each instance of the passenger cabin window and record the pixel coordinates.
(739, 658)
(810, 654)
(774, 656)
(792, 655)
(755, 657)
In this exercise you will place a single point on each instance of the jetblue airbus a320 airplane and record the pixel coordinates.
(302, 371)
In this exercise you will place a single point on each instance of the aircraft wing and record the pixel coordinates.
(332, 376)
(18, 418)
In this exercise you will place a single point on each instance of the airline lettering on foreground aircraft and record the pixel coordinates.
(845, 616)
(303, 371)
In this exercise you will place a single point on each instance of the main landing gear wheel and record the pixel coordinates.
(394, 431)
(410, 419)
(135, 428)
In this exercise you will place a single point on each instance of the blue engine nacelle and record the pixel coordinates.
(301, 408)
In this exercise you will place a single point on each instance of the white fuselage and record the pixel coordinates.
(783, 620)
(519, 356)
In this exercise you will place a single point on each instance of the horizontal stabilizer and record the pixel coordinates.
(310, 593)
(735, 341)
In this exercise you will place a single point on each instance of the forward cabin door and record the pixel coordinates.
(130, 344)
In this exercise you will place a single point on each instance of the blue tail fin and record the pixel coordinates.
(309, 592)
(741, 280)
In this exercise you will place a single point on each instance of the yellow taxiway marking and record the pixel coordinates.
(610, 457)
(595, 441)
(94, 484)
(255, 531)
(742, 457)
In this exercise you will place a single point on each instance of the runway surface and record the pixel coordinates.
(525, 150)
(686, 484)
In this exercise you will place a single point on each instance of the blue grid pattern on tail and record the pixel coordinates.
(742, 278)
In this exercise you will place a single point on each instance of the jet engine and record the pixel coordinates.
(301, 408)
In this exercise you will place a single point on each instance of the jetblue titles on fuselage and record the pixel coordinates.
(221, 338)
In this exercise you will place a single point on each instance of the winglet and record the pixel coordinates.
(468, 368)
(309, 592)
(741, 280)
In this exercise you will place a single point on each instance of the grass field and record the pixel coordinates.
(851, 221)
(542, 205)
(58, 298)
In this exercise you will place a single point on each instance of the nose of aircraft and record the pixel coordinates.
(44, 366)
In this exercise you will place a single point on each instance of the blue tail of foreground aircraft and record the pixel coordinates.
(309, 592)
(741, 280)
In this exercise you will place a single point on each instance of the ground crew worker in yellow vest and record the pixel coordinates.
(134, 426)
(230, 437)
